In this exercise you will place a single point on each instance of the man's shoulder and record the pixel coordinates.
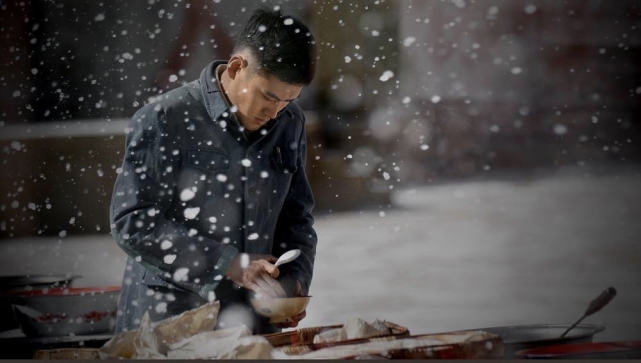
(180, 99)
(185, 95)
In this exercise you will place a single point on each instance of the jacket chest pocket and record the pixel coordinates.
(206, 170)
(207, 160)
(284, 160)
(284, 163)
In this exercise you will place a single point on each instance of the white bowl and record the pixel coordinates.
(280, 310)
(64, 311)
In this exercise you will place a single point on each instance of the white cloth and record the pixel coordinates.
(152, 340)
(354, 328)
(189, 335)
(230, 343)
(382, 347)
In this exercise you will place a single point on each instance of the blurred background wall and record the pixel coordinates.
(407, 93)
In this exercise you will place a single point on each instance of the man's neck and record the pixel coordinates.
(223, 78)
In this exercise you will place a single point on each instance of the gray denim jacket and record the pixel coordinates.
(193, 192)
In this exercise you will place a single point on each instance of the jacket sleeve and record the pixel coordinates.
(143, 193)
(295, 226)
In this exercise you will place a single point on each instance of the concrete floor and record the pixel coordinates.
(511, 250)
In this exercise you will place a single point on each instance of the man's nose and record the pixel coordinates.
(272, 111)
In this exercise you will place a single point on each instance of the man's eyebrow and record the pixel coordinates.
(276, 97)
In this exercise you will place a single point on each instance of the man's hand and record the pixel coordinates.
(258, 273)
(246, 269)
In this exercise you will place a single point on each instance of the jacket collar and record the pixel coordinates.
(214, 100)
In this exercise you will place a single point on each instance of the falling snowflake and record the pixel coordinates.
(169, 259)
(560, 129)
(253, 236)
(530, 9)
(246, 163)
(181, 274)
(191, 213)
(492, 12)
(409, 41)
(165, 245)
(16, 145)
(161, 307)
(386, 76)
(187, 194)
(244, 260)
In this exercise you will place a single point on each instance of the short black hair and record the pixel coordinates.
(281, 45)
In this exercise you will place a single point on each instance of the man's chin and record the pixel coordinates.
(253, 124)
(256, 124)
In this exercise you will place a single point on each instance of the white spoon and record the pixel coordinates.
(288, 256)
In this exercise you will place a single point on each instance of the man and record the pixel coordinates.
(213, 183)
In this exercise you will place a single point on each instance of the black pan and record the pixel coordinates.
(518, 337)
(23, 282)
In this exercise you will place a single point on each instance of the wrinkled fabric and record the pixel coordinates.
(187, 336)
(354, 328)
(152, 340)
(230, 343)
(379, 348)
(193, 191)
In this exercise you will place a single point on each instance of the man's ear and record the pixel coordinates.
(235, 64)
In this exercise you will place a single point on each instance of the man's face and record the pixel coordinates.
(260, 97)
